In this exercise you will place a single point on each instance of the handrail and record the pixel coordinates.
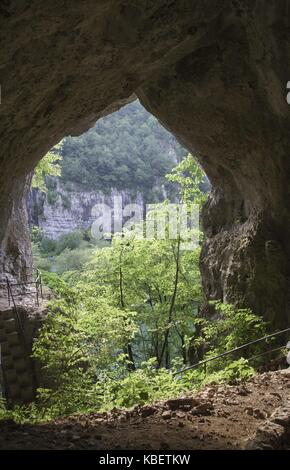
(11, 297)
(38, 287)
(265, 352)
(226, 353)
(17, 316)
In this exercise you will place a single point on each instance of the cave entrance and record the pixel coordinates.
(84, 193)
(119, 283)
(124, 310)
(119, 166)
(214, 73)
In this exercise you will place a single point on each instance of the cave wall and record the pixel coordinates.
(213, 71)
(15, 246)
(226, 101)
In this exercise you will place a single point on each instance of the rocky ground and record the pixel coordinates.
(250, 415)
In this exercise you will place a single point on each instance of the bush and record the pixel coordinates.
(48, 246)
(66, 202)
(52, 197)
(234, 371)
(145, 385)
(72, 260)
(232, 327)
(69, 241)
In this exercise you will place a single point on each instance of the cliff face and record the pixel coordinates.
(214, 72)
(74, 209)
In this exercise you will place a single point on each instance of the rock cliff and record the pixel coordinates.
(73, 210)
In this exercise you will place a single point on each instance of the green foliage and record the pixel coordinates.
(232, 327)
(80, 348)
(48, 166)
(36, 235)
(82, 336)
(141, 274)
(52, 197)
(40, 262)
(48, 246)
(72, 260)
(231, 372)
(122, 298)
(128, 149)
(70, 252)
(66, 202)
(69, 241)
(189, 176)
(145, 385)
(57, 284)
(122, 322)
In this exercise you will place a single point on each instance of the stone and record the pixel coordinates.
(243, 390)
(182, 403)
(282, 416)
(249, 410)
(259, 414)
(269, 436)
(166, 415)
(148, 411)
(57, 220)
(203, 409)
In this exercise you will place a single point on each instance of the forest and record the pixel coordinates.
(127, 149)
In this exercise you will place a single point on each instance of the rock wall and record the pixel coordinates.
(226, 101)
(15, 248)
(73, 210)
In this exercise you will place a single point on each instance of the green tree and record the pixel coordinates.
(189, 176)
(47, 166)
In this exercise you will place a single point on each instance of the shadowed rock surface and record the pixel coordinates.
(214, 72)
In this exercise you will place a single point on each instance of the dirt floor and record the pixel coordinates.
(254, 414)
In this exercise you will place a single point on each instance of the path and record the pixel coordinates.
(254, 414)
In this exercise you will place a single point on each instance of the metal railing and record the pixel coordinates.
(37, 282)
(19, 323)
(231, 351)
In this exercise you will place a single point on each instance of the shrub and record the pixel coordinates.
(48, 246)
(52, 197)
(69, 241)
(66, 202)
(72, 260)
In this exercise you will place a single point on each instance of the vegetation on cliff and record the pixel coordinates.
(128, 149)
(49, 165)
